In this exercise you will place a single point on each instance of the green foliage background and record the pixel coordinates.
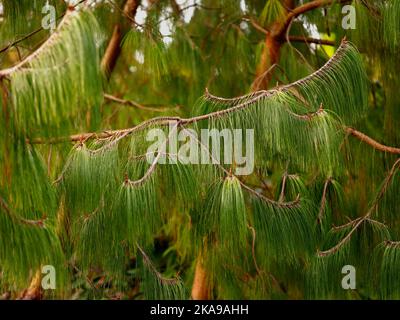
(116, 227)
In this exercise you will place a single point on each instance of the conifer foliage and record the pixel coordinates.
(77, 189)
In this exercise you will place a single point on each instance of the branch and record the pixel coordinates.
(291, 38)
(154, 164)
(130, 103)
(21, 39)
(357, 222)
(311, 40)
(235, 104)
(257, 26)
(303, 9)
(12, 215)
(337, 56)
(31, 34)
(108, 134)
(175, 7)
(50, 40)
(376, 145)
(33, 55)
(391, 244)
(253, 249)
(280, 204)
(282, 194)
(323, 200)
(151, 266)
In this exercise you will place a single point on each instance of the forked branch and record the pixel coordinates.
(358, 222)
(323, 200)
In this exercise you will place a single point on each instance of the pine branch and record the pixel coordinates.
(340, 52)
(331, 62)
(150, 265)
(253, 249)
(233, 101)
(376, 145)
(131, 103)
(309, 6)
(283, 189)
(278, 35)
(154, 163)
(323, 200)
(291, 38)
(151, 169)
(44, 46)
(357, 222)
(279, 204)
(310, 115)
(31, 34)
(311, 40)
(234, 105)
(392, 244)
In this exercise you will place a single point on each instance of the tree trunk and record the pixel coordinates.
(34, 292)
(271, 51)
(114, 46)
(200, 288)
(269, 57)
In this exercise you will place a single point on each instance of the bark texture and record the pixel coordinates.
(200, 288)
(113, 50)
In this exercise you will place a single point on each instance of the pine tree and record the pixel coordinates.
(77, 190)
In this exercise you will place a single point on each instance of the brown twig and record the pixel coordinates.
(312, 40)
(391, 244)
(309, 6)
(253, 249)
(149, 264)
(376, 145)
(282, 194)
(323, 200)
(133, 104)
